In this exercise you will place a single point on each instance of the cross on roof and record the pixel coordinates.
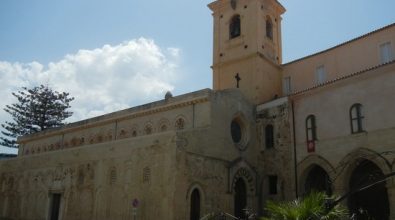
(237, 77)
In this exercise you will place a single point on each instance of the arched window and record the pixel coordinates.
(269, 136)
(269, 28)
(195, 205)
(356, 117)
(234, 27)
(311, 133)
(148, 129)
(180, 123)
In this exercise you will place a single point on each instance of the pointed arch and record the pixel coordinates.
(353, 159)
(372, 202)
(195, 198)
(315, 165)
(195, 204)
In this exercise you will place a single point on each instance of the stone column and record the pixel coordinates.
(339, 189)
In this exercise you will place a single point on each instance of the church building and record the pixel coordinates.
(267, 130)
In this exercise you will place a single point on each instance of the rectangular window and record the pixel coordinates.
(272, 185)
(386, 54)
(287, 85)
(269, 136)
(55, 206)
(320, 74)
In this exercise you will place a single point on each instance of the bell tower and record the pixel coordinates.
(247, 47)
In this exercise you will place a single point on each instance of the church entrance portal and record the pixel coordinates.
(240, 197)
(55, 206)
(318, 180)
(371, 202)
(195, 205)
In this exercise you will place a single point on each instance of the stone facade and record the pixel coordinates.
(267, 131)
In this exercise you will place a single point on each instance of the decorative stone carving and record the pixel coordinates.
(241, 169)
(146, 175)
(109, 135)
(134, 133)
(113, 175)
(74, 142)
(122, 134)
(179, 123)
(148, 129)
(181, 141)
(247, 176)
(134, 130)
(99, 138)
(163, 125)
(85, 175)
(201, 168)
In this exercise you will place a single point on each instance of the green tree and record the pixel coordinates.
(311, 207)
(36, 109)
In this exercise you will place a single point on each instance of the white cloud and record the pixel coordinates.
(8, 150)
(101, 80)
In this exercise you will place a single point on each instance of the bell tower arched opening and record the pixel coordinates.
(234, 27)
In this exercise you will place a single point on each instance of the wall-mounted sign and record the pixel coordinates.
(135, 203)
(311, 146)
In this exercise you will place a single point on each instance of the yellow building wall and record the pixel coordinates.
(346, 59)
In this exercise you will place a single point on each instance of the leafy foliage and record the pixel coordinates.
(311, 207)
(37, 109)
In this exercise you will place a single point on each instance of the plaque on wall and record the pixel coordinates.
(310, 146)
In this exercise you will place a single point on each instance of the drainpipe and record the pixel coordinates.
(295, 158)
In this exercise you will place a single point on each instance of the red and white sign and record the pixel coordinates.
(135, 203)
(311, 146)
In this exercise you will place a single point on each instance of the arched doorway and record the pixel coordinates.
(318, 180)
(373, 201)
(195, 205)
(240, 197)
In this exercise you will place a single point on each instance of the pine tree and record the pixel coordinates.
(37, 109)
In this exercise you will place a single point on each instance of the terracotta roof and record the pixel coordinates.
(339, 45)
(342, 78)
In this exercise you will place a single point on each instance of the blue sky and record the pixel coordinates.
(128, 52)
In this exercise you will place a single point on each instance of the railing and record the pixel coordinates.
(249, 215)
(219, 216)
